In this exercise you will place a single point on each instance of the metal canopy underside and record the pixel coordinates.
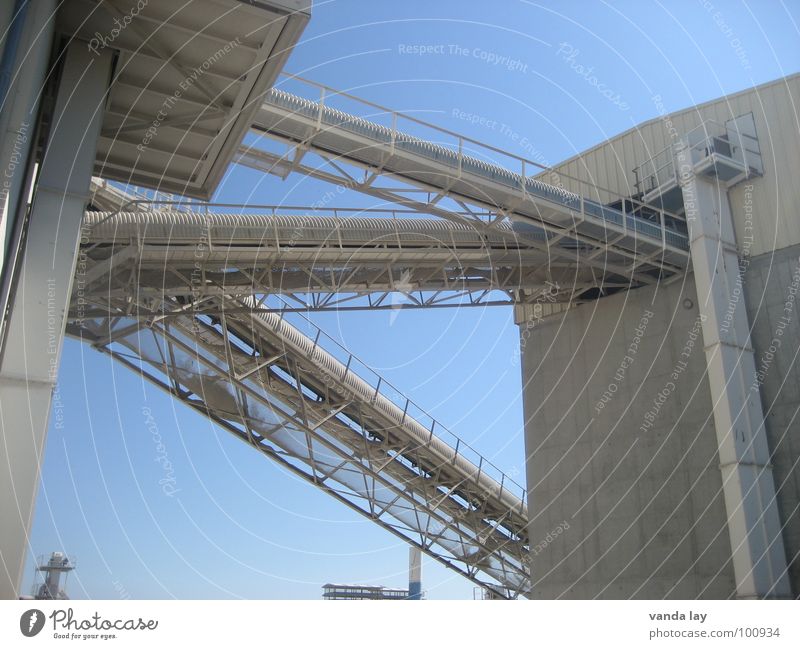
(192, 72)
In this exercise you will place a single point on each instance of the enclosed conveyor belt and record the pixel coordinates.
(353, 259)
(645, 244)
(306, 402)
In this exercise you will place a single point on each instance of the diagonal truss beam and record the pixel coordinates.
(280, 391)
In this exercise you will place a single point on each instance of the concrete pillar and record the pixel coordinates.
(38, 315)
(754, 527)
(771, 286)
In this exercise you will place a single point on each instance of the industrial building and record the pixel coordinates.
(653, 279)
(648, 477)
(51, 571)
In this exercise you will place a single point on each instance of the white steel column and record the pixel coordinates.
(36, 323)
(759, 559)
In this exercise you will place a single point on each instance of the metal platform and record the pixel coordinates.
(729, 153)
(359, 592)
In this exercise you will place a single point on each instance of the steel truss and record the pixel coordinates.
(184, 299)
(317, 410)
(349, 260)
(632, 244)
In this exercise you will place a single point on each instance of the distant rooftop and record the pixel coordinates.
(356, 591)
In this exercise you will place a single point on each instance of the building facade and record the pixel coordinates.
(628, 495)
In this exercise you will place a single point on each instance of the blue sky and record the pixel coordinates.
(239, 526)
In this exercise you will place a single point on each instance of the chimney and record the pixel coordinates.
(414, 573)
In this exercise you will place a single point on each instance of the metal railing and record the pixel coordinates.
(707, 139)
(464, 155)
(411, 410)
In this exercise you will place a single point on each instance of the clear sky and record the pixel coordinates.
(238, 525)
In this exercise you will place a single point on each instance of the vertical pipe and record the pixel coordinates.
(11, 48)
(754, 528)
(18, 117)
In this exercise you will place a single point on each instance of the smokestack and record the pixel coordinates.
(414, 573)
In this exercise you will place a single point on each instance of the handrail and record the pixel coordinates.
(276, 207)
(413, 410)
(710, 130)
(524, 162)
(498, 174)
